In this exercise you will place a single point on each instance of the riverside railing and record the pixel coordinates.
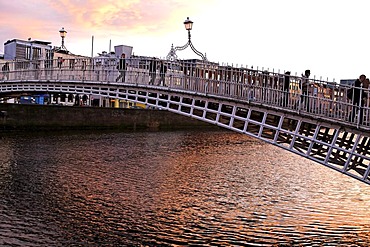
(323, 98)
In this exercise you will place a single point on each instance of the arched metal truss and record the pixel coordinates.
(342, 148)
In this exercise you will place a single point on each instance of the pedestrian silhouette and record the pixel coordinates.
(5, 69)
(162, 73)
(356, 94)
(286, 88)
(305, 83)
(60, 62)
(152, 70)
(122, 68)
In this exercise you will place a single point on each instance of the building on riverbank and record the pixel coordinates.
(37, 55)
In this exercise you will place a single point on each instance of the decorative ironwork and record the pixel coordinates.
(239, 99)
(172, 54)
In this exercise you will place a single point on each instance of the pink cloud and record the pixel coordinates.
(81, 18)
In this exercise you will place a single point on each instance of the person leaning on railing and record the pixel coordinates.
(356, 94)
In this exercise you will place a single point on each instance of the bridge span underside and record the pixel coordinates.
(341, 147)
(334, 146)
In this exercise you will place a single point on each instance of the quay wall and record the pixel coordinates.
(51, 117)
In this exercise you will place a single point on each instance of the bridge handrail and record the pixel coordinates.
(321, 98)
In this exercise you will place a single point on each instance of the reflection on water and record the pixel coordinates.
(213, 188)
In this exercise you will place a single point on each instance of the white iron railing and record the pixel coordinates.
(323, 98)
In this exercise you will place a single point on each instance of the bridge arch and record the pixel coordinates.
(242, 100)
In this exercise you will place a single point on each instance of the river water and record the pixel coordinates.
(181, 188)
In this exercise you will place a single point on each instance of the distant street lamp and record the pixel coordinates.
(172, 54)
(63, 34)
(188, 24)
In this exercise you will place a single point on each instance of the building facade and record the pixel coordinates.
(17, 49)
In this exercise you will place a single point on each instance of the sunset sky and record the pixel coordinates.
(329, 37)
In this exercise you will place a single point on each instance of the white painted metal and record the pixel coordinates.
(239, 99)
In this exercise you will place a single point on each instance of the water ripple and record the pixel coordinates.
(211, 188)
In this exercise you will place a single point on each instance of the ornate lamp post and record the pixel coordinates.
(63, 34)
(172, 54)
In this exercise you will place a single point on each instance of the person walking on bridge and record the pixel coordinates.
(152, 70)
(5, 70)
(162, 73)
(305, 84)
(122, 68)
(286, 88)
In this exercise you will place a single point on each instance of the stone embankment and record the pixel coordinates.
(18, 117)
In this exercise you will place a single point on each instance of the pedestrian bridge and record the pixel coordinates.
(320, 124)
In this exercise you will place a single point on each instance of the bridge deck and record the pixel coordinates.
(320, 123)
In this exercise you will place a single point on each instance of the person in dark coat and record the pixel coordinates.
(305, 87)
(286, 88)
(5, 69)
(152, 70)
(162, 73)
(122, 68)
(356, 95)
